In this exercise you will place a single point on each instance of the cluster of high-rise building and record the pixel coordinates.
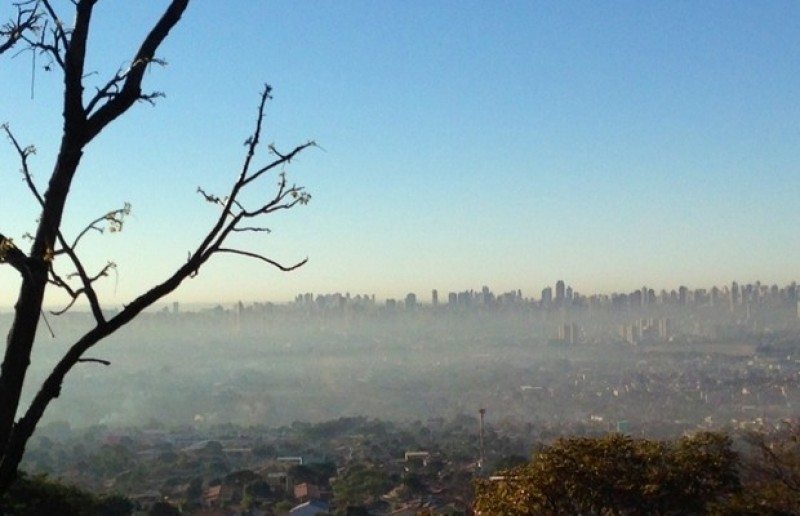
(563, 296)
(647, 330)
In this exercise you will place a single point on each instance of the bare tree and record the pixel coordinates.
(40, 29)
(770, 471)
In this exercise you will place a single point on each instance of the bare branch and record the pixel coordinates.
(87, 289)
(257, 256)
(284, 159)
(114, 218)
(274, 151)
(252, 229)
(74, 64)
(150, 98)
(66, 308)
(23, 154)
(112, 88)
(14, 30)
(50, 41)
(103, 272)
(213, 199)
(253, 140)
(233, 213)
(776, 457)
(95, 360)
(131, 89)
(60, 36)
(56, 280)
(68, 47)
(11, 254)
(286, 197)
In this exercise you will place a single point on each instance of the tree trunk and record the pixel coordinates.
(28, 308)
(82, 122)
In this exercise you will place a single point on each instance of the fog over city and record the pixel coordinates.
(392, 258)
(649, 362)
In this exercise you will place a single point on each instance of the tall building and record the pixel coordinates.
(568, 333)
(547, 297)
(735, 299)
(560, 291)
(683, 295)
(714, 297)
(435, 297)
(665, 328)
(633, 333)
(487, 297)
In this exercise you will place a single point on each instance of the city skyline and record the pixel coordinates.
(561, 292)
(733, 294)
(618, 145)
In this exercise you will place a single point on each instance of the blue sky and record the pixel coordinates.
(508, 144)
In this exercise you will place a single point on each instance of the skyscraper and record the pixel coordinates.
(560, 291)
(547, 297)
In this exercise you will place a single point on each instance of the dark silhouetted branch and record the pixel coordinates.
(87, 288)
(23, 154)
(15, 30)
(58, 32)
(114, 218)
(68, 47)
(11, 254)
(263, 258)
(95, 360)
(114, 86)
(51, 38)
(278, 162)
(130, 84)
(252, 229)
(231, 216)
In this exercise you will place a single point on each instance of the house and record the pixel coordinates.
(305, 492)
(310, 508)
(212, 497)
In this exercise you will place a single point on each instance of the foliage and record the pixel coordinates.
(40, 495)
(770, 474)
(163, 509)
(361, 483)
(616, 475)
(283, 506)
(510, 461)
(110, 460)
(193, 496)
(314, 473)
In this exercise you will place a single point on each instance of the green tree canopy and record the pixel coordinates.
(616, 475)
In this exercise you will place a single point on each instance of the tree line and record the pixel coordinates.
(705, 473)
